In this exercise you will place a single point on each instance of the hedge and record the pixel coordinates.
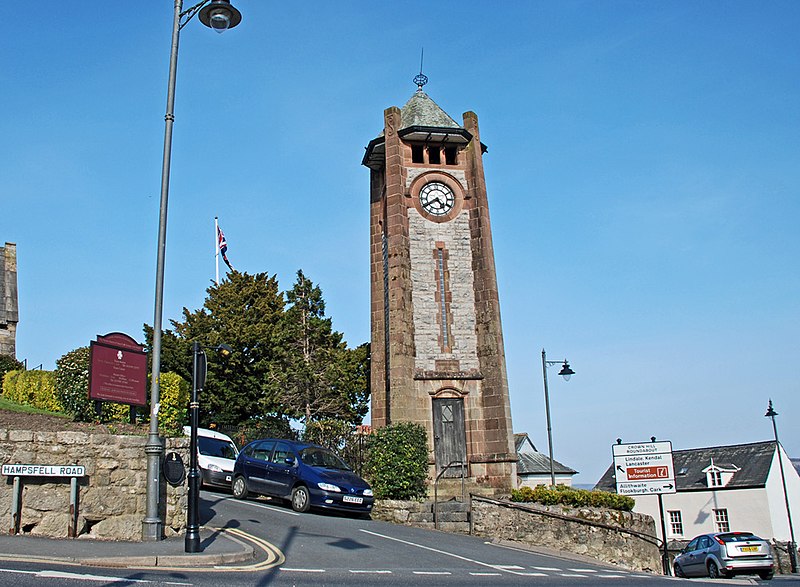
(31, 388)
(563, 495)
(397, 461)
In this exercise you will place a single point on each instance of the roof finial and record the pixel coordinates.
(421, 79)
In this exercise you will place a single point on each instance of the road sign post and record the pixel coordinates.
(645, 468)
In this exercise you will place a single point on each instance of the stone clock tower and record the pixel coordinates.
(437, 342)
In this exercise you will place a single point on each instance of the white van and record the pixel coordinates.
(216, 454)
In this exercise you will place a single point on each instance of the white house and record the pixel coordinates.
(533, 467)
(725, 488)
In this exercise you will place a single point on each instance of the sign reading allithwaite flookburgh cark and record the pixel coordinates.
(644, 468)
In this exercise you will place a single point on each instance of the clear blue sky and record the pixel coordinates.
(643, 175)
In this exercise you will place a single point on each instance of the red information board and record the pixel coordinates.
(118, 370)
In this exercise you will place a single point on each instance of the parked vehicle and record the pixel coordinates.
(305, 474)
(725, 554)
(216, 455)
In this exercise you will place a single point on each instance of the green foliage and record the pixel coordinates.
(10, 386)
(563, 495)
(9, 363)
(174, 399)
(397, 461)
(287, 362)
(72, 384)
(321, 378)
(245, 312)
(269, 426)
(31, 388)
(332, 434)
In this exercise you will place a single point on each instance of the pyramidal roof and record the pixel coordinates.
(420, 110)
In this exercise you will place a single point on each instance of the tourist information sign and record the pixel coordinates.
(644, 468)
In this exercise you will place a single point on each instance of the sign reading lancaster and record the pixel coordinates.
(644, 468)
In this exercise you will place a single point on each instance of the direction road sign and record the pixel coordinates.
(644, 468)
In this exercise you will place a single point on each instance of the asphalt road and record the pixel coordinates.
(328, 549)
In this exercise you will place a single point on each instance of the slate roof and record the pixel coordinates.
(421, 110)
(532, 462)
(753, 461)
(796, 463)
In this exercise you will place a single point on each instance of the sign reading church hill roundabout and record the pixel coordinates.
(644, 468)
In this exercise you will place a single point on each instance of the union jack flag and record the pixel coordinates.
(223, 247)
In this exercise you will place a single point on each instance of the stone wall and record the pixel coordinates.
(622, 538)
(112, 495)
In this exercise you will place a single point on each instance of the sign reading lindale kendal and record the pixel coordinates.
(644, 468)
(118, 371)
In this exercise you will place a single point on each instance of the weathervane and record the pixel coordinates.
(421, 79)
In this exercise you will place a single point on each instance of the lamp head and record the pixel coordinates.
(566, 372)
(771, 413)
(220, 15)
(224, 351)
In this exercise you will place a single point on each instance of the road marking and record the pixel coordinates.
(432, 573)
(86, 577)
(583, 570)
(611, 576)
(486, 574)
(547, 569)
(572, 575)
(444, 552)
(533, 574)
(510, 567)
(371, 572)
(288, 570)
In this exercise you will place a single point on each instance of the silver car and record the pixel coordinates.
(724, 554)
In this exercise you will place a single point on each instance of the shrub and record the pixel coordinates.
(397, 461)
(10, 386)
(561, 494)
(31, 388)
(174, 399)
(9, 363)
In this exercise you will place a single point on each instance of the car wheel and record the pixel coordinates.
(714, 572)
(766, 575)
(678, 571)
(239, 488)
(301, 500)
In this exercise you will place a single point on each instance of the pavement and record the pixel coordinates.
(229, 548)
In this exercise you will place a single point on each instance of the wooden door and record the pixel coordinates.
(449, 437)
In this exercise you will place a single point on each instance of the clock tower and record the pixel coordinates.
(437, 343)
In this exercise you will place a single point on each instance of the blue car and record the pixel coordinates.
(305, 474)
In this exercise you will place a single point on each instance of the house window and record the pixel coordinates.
(721, 520)
(417, 154)
(450, 155)
(675, 523)
(434, 156)
(715, 478)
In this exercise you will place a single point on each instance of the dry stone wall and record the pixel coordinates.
(111, 497)
(620, 538)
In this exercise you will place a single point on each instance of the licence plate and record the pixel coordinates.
(351, 499)
(749, 548)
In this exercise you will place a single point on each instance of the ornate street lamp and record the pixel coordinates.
(199, 369)
(219, 15)
(566, 372)
(771, 413)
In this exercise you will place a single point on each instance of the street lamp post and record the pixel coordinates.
(220, 16)
(566, 373)
(199, 363)
(771, 413)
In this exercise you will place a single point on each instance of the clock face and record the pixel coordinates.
(436, 198)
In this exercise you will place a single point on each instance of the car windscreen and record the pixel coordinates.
(215, 447)
(319, 457)
(740, 537)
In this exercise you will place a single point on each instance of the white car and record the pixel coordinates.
(216, 455)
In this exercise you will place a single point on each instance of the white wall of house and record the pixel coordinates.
(535, 479)
(748, 510)
(777, 502)
(761, 511)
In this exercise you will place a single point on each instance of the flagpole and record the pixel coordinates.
(216, 246)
